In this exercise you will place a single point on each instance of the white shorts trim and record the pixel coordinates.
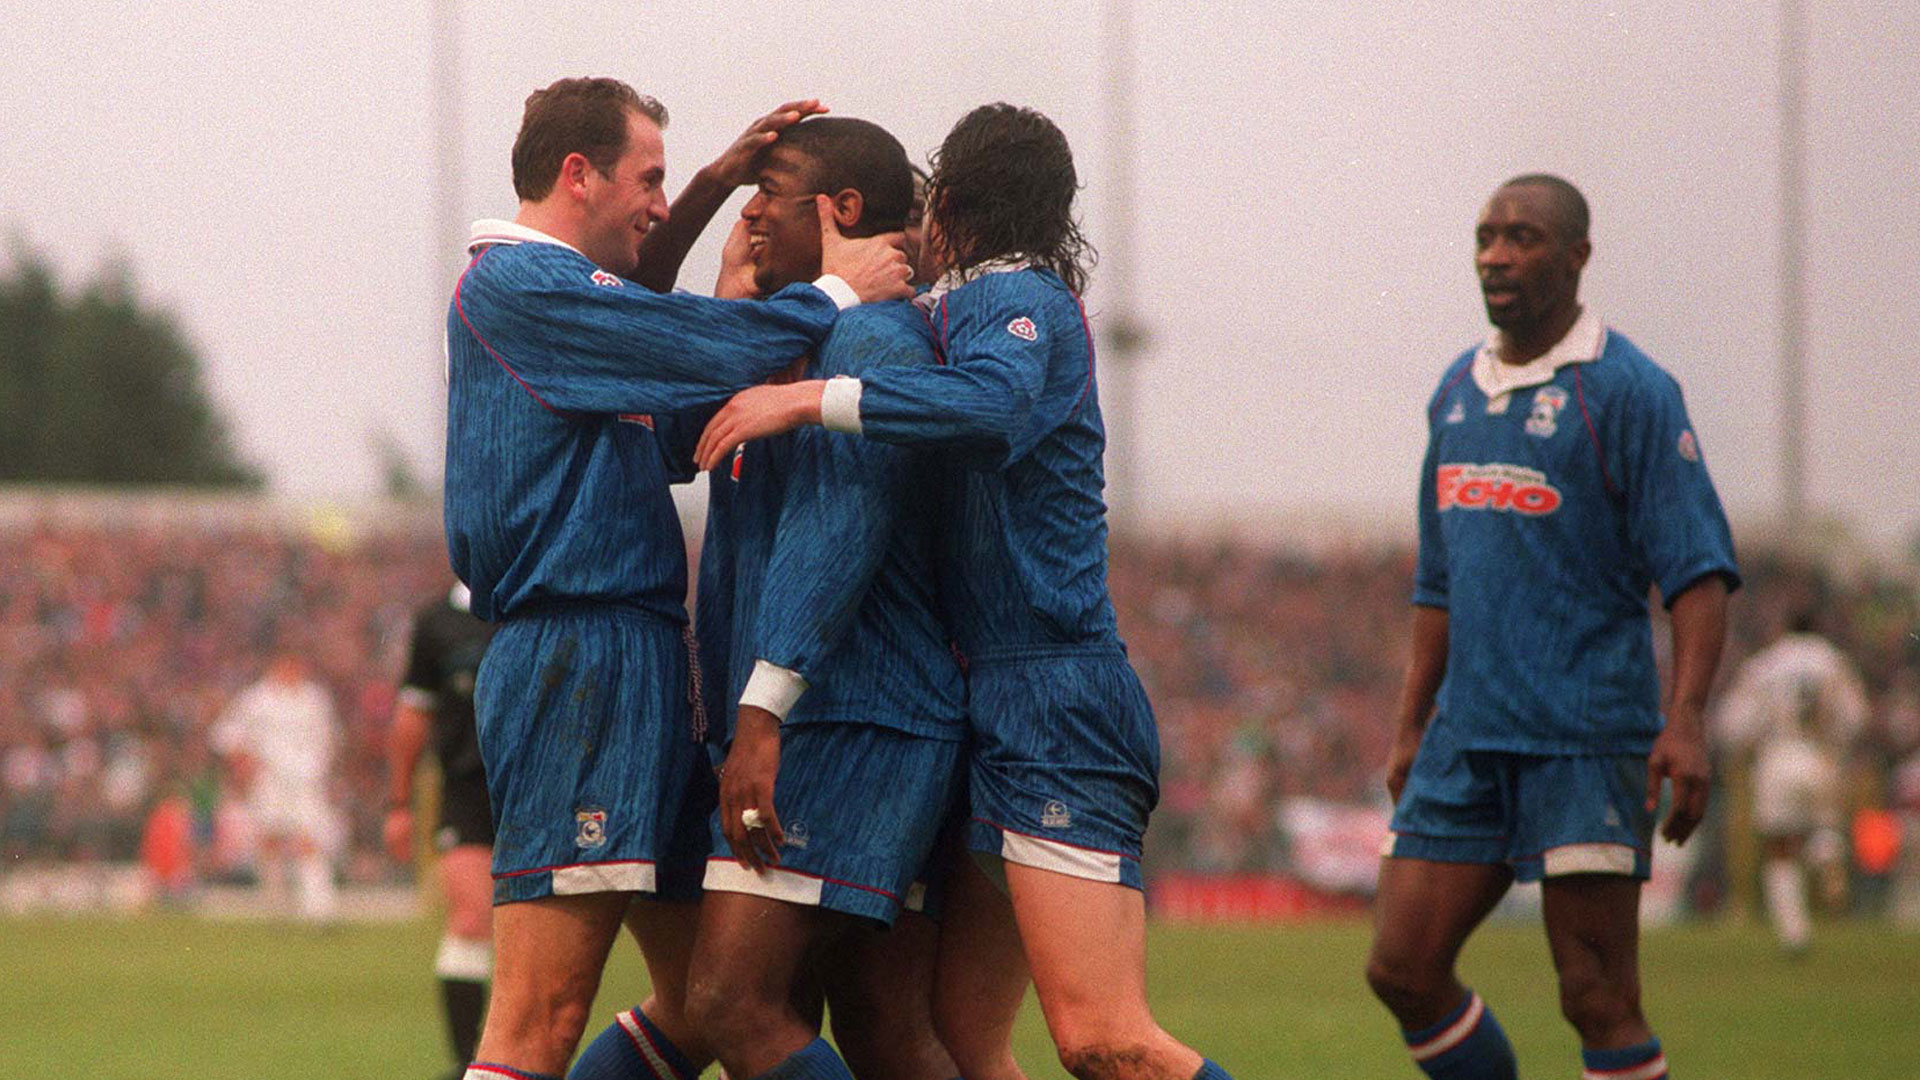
(1059, 858)
(727, 875)
(603, 877)
(1587, 859)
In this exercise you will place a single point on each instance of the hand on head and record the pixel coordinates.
(874, 266)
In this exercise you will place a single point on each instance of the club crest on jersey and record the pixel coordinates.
(1024, 329)
(593, 827)
(1056, 815)
(1543, 418)
(1457, 414)
(1689, 446)
(612, 281)
(1495, 486)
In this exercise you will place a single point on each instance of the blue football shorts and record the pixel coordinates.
(1066, 761)
(862, 806)
(1544, 816)
(596, 779)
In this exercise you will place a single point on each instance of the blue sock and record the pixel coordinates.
(1467, 1045)
(1209, 1070)
(814, 1061)
(487, 1070)
(632, 1048)
(1643, 1062)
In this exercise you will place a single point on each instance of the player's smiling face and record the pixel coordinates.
(1529, 270)
(783, 227)
(625, 202)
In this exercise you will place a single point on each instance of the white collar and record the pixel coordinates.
(953, 279)
(495, 231)
(1582, 344)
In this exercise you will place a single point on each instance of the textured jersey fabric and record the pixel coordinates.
(1547, 513)
(559, 374)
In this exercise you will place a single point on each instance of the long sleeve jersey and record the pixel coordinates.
(556, 481)
(822, 552)
(1015, 401)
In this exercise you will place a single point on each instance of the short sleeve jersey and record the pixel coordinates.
(1548, 510)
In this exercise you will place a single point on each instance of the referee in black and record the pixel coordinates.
(435, 705)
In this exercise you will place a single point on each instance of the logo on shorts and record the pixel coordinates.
(1024, 329)
(797, 835)
(1612, 820)
(593, 827)
(1542, 419)
(612, 281)
(1056, 815)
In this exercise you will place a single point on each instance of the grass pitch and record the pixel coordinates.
(170, 997)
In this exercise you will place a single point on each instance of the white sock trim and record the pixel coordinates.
(1651, 1070)
(1455, 1034)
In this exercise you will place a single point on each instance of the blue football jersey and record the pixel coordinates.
(1015, 402)
(556, 479)
(1546, 514)
(831, 557)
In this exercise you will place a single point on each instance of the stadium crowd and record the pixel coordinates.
(1272, 671)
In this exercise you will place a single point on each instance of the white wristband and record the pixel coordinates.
(837, 290)
(840, 404)
(773, 688)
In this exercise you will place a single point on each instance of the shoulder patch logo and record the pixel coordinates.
(1689, 446)
(612, 281)
(1457, 414)
(1024, 329)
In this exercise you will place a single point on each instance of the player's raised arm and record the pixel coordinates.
(665, 246)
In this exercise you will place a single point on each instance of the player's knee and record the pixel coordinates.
(1402, 986)
(1103, 1057)
(722, 1015)
(1596, 1007)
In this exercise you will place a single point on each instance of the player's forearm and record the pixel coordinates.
(406, 740)
(665, 247)
(1426, 667)
(1699, 631)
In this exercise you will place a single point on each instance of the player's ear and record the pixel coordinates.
(573, 174)
(848, 205)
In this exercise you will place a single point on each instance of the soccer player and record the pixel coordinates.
(278, 739)
(1796, 706)
(435, 707)
(1065, 759)
(1561, 480)
(558, 516)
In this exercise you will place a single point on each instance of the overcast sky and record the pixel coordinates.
(1303, 182)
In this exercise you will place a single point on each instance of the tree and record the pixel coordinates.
(97, 389)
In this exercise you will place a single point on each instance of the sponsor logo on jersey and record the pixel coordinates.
(1689, 446)
(612, 281)
(593, 827)
(796, 835)
(1457, 414)
(1024, 329)
(1056, 815)
(1543, 418)
(645, 420)
(1495, 486)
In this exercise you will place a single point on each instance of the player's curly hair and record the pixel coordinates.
(1002, 187)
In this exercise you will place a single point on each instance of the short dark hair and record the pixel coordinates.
(1003, 186)
(843, 153)
(1569, 205)
(575, 116)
